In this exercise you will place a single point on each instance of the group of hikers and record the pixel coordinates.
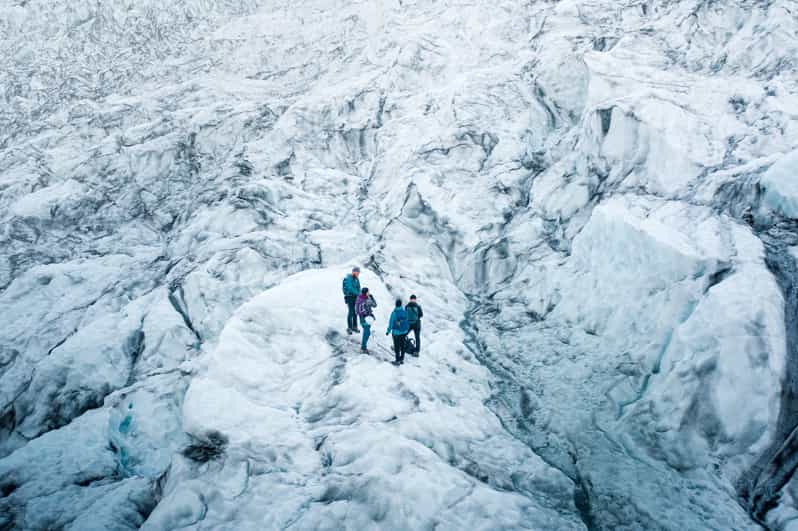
(360, 305)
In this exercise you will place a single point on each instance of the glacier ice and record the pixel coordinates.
(779, 184)
(348, 440)
(595, 202)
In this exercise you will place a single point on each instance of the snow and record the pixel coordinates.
(357, 441)
(653, 309)
(592, 200)
(42, 201)
(728, 357)
(780, 184)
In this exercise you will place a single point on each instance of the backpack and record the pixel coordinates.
(410, 346)
(412, 313)
(362, 307)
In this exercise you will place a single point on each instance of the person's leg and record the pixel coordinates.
(417, 334)
(397, 348)
(350, 316)
(402, 343)
(354, 316)
(366, 333)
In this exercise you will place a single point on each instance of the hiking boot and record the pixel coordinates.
(356, 330)
(396, 363)
(349, 331)
(364, 351)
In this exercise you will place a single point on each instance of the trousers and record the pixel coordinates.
(416, 329)
(351, 316)
(399, 347)
(366, 332)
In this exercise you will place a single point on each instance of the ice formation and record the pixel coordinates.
(595, 202)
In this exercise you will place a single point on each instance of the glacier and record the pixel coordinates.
(595, 202)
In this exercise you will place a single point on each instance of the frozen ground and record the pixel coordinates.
(317, 435)
(594, 200)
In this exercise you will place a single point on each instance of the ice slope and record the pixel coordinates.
(320, 436)
(779, 184)
(652, 318)
(593, 200)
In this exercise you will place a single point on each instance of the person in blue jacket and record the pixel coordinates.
(399, 325)
(351, 287)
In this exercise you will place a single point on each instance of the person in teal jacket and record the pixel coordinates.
(351, 287)
(399, 326)
(414, 315)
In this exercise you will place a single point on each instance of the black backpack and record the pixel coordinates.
(410, 346)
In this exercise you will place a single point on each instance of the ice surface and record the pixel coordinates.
(780, 183)
(594, 202)
(654, 310)
(349, 440)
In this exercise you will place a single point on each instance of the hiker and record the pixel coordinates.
(399, 326)
(365, 311)
(351, 289)
(414, 315)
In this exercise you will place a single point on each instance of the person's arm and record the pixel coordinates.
(390, 323)
(420, 312)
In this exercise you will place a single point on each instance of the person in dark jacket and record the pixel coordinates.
(365, 311)
(351, 287)
(414, 315)
(398, 326)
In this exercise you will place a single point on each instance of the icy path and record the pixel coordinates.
(315, 435)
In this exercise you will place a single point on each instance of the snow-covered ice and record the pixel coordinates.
(780, 183)
(595, 202)
(349, 440)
